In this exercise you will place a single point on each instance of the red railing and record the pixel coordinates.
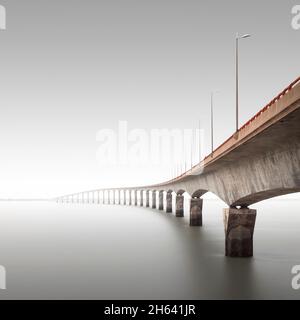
(281, 94)
(272, 102)
(269, 105)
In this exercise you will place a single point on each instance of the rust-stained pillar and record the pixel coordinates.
(135, 198)
(179, 205)
(141, 198)
(161, 200)
(147, 199)
(239, 228)
(129, 198)
(153, 199)
(169, 201)
(196, 212)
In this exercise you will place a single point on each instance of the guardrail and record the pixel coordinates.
(259, 113)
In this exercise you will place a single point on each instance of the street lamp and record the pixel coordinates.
(237, 38)
(212, 119)
(2, 18)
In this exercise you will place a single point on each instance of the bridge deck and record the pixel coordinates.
(280, 107)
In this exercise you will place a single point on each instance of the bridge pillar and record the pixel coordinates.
(179, 205)
(153, 199)
(196, 212)
(118, 202)
(141, 198)
(135, 198)
(239, 228)
(129, 198)
(147, 199)
(161, 201)
(124, 198)
(169, 202)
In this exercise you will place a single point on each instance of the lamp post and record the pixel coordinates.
(2, 18)
(237, 38)
(212, 119)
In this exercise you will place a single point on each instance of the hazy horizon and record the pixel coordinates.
(72, 68)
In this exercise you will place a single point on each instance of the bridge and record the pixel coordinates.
(259, 161)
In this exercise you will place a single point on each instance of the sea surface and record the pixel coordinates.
(92, 251)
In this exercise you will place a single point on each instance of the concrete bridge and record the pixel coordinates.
(260, 161)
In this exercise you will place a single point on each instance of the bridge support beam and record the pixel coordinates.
(179, 205)
(161, 201)
(196, 212)
(239, 228)
(169, 202)
(153, 199)
(147, 199)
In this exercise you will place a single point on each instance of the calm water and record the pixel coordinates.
(79, 251)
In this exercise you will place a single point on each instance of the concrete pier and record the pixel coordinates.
(141, 198)
(129, 198)
(135, 198)
(179, 205)
(147, 199)
(196, 212)
(169, 202)
(239, 228)
(153, 199)
(161, 200)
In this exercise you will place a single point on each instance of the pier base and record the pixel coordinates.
(196, 212)
(161, 201)
(142, 199)
(169, 202)
(135, 198)
(153, 200)
(147, 199)
(239, 228)
(179, 205)
(129, 198)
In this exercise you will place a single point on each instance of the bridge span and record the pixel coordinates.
(260, 161)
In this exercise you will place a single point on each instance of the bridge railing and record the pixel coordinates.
(259, 115)
(271, 103)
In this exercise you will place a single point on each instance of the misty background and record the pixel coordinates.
(69, 69)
